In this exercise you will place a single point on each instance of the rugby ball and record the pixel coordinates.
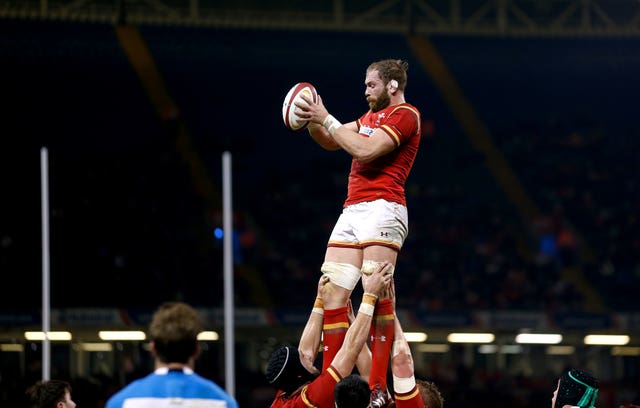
(291, 120)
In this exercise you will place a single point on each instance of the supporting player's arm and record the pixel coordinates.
(363, 362)
(401, 360)
(358, 332)
(312, 333)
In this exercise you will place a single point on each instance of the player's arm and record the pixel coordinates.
(329, 133)
(358, 332)
(322, 137)
(402, 367)
(363, 362)
(362, 148)
(401, 360)
(312, 333)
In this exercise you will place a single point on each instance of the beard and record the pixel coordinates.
(379, 103)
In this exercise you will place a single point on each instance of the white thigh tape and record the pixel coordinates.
(403, 385)
(368, 266)
(342, 274)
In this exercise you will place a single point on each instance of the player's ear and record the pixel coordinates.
(152, 348)
(393, 84)
(197, 350)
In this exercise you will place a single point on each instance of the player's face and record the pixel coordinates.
(68, 402)
(375, 91)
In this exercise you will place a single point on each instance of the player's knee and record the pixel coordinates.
(341, 274)
(368, 266)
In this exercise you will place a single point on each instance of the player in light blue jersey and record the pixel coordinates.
(174, 345)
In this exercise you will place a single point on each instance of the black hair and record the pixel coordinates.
(352, 392)
(285, 371)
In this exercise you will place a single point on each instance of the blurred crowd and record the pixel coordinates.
(134, 212)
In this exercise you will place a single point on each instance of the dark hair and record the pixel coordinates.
(391, 69)
(285, 371)
(577, 388)
(46, 394)
(174, 331)
(352, 392)
(430, 394)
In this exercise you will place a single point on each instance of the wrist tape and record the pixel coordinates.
(318, 306)
(403, 385)
(368, 304)
(331, 123)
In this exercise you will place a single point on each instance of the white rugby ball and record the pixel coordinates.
(291, 120)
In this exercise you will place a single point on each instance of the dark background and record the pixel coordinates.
(134, 209)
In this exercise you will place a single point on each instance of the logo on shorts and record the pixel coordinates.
(384, 234)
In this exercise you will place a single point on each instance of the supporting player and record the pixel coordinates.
(291, 370)
(409, 392)
(576, 388)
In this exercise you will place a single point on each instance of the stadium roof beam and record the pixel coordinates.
(449, 17)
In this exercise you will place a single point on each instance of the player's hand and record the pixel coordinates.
(351, 316)
(388, 292)
(378, 280)
(312, 112)
(392, 292)
(322, 282)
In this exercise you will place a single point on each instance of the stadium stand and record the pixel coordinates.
(132, 189)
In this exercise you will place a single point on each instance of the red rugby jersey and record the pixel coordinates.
(385, 176)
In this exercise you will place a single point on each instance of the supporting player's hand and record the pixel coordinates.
(324, 279)
(351, 316)
(392, 292)
(378, 280)
(388, 292)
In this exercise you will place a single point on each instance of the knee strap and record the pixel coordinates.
(342, 274)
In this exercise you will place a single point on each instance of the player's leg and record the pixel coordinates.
(382, 233)
(340, 266)
(382, 329)
(342, 263)
(342, 260)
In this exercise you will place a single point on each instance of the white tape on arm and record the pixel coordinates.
(403, 385)
(331, 123)
(318, 307)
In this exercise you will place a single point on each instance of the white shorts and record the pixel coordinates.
(378, 222)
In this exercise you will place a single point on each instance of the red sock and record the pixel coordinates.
(334, 329)
(382, 333)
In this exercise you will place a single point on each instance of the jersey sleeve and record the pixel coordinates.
(402, 123)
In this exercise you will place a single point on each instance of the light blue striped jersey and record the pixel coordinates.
(166, 388)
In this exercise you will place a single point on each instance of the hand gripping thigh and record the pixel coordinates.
(368, 266)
